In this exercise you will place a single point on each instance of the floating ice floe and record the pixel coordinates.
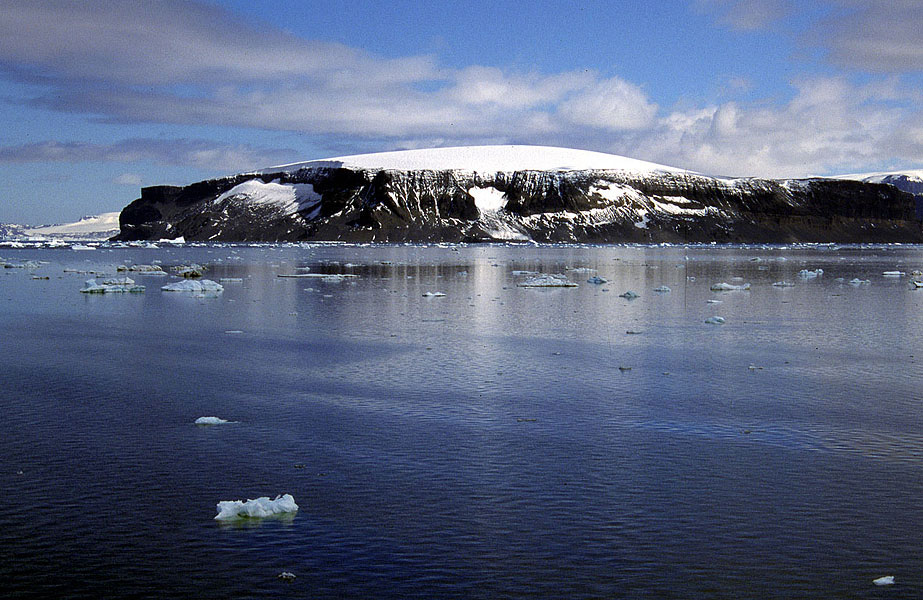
(662, 289)
(715, 320)
(119, 285)
(192, 271)
(893, 274)
(286, 576)
(916, 284)
(728, 287)
(433, 295)
(198, 286)
(808, 274)
(259, 508)
(857, 282)
(28, 264)
(547, 281)
(596, 280)
(146, 269)
(211, 421)
(629, 295)
(783, 284)
(886, 580)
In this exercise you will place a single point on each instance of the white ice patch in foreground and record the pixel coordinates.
(886, 580)
(199, 286)
(259, 508)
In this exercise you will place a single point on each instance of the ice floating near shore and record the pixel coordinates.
(146, 269)
(857, 282)
(808, 274)
(199, 286)
(629, 295)
(783, 284)
(728, 287)
(119, 285)
(596, 280)
(548, 281)
(886, 580)
(715, 320)
(211, 421)
(893, 273)
(259, 508)
(433, 295)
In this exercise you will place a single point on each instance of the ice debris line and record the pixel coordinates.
(261, 507)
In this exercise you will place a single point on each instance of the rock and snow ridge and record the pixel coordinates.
(516, 193)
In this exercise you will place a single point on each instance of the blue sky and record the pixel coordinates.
(101, 98)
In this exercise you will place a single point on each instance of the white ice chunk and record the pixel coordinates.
(596, 280)
(210, 421)
(662, 289)
(857, 282)
(886, 580)
(808, 274)
(433, 295)
(715, 320)
(783, 284)
(629, 295)
(194, 285)
(110, 286)
(893, 273)
(487, 199)
(727, 287)
(547, 281)
(259, 508)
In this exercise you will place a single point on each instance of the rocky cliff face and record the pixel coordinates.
(390, 205)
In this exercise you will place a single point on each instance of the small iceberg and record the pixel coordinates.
(715, 320)
(808, 274)
(728, 287)
(629, 295)
(662, 289)
(783, 284)
(893, 273)
(596, 280)
(433, 295)
(118, 285)
(857, 282)
(211, 421)
(886, 580)
(192, 271)
(916, 284)
(147, 269)
(259, 508)
(199, 286)
(548, 281)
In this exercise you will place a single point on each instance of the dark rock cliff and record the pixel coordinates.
(331, 203)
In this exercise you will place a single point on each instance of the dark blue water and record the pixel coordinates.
(498, 442)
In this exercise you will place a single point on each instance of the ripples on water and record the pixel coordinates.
(485, 444)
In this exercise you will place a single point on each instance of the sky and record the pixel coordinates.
(99, 98)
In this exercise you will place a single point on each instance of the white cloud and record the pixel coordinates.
(748, 14)
(874, 35)
(130, 179)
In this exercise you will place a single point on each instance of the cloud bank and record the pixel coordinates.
(181, 62)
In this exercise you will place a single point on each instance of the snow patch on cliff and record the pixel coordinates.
(487, 159)
(288, 197)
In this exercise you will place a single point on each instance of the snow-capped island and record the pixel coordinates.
(517, 193)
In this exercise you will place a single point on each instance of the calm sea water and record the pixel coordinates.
(497, 442)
